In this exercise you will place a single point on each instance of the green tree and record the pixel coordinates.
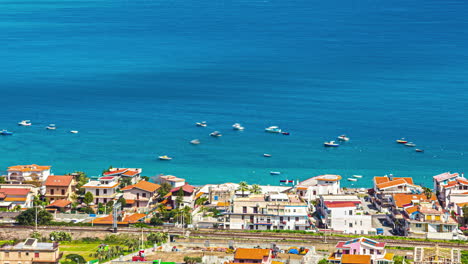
(427, 192)
(122, 201)
(255, 189)
(465, 215)
(58, 236)
(145, 178)
(164, 189)
(192, 260)
(125, 181)
(180, 197)
(28, 217)
(2, 179)
(201, 201)
(157, 237)
(243, 187)
(88, 198)
(156, 221)
(75, 259)
(323, 261)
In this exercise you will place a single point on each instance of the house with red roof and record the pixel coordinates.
(252, 255)
(131, 173)
(59, 205)
(188, 196)
(59, 187)
(360, 251)
(344, 213)
(140, 195)
(22, 197)
(386, 186)
(22, 173)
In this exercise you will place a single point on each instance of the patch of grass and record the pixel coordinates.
(80, 248)
(400, 248)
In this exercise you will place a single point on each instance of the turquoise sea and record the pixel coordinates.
(134, 76)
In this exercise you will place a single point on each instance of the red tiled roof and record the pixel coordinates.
(391, 183)
(59, 180)
(355, 259)
(129, 201)
(251, 253)
(15, 191)
(445, 176)
(143, 185)
(115, 172)
(130, 173)
(411, 210)
(407, 179)
(379, 180)
(337, 204)
(402, 199)
(187, 188)
(107, 178)
(25, 168)
(59, 203)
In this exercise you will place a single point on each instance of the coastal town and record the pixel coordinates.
(361, 221)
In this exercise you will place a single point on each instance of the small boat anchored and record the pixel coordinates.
(237, 126)
(201, 124)
(51, 127)
(195, 142)
(357, 176)
(419, 150)
(273, 129)
(402, 141)
(215, 134)
(74, 131)
(25, 123)
(5, 132)
(343, 138)
(410, 144)
(275, 173)
(266, 155)
(331, 144)
(352, 179)
(165, 157)
(285, 133)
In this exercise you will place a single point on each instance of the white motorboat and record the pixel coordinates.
(25, 123)
(343, 138)
(74, 131)
(215, 134)
(331, 144)
(202, 124)
(51, 127)
(410, 144)
(165, 157)
(275, 172)
(237, 126)
(266, 155)
(195, 142)
(273, 129)
(352, 179)
(357, 176)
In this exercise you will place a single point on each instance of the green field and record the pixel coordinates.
(80, 248)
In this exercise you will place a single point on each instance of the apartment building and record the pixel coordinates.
(312, 188)
(103, 190)
(361, 250)
(59, 187)
(22, 173)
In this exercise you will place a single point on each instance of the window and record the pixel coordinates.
(215, 198)
(297, 219)
(51, 191)
(255, 210)
(19, 254)
(27, 253)
(63, 192)
(297, 228)
(104, 191)
(7, 254)
(350, 224)
(242, 217)
(418, 225)
(143, 194)
(350, 212)
(371, 251)
(36, 254)
(244, 209)
(364, 251)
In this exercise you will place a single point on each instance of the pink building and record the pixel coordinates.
(362, 246)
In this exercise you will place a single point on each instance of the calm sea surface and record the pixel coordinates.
(134, 76)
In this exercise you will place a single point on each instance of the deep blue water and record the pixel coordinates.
(134, 76)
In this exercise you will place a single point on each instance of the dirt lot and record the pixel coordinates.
(179, 256)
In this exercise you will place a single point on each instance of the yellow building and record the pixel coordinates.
(30, 252)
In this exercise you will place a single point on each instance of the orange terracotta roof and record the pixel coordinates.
(223, 204)
(379, 180)
(198, 195)
(355, 259)
(57, 180)
(25, 168)
(251, 253)
(131, 219)
(168, 195)
(407, 179)
(391, 183)
(59, 203)
(115, 172)
(411, 210)
(129, 201)
(130, 173)
(402, 199)
(15, 199)
(389, 256)
(301, 188)
(143, 185)
(15, 191)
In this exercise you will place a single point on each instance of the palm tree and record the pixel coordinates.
(427, 192)
(201, 201)
(243, 186)
(255, 189)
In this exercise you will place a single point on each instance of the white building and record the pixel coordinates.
(344, 213)
(21, 173)
(451, 189)
(103, 190)
(310, 189)
(134, 174)
(268, 212)
(172, 180)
